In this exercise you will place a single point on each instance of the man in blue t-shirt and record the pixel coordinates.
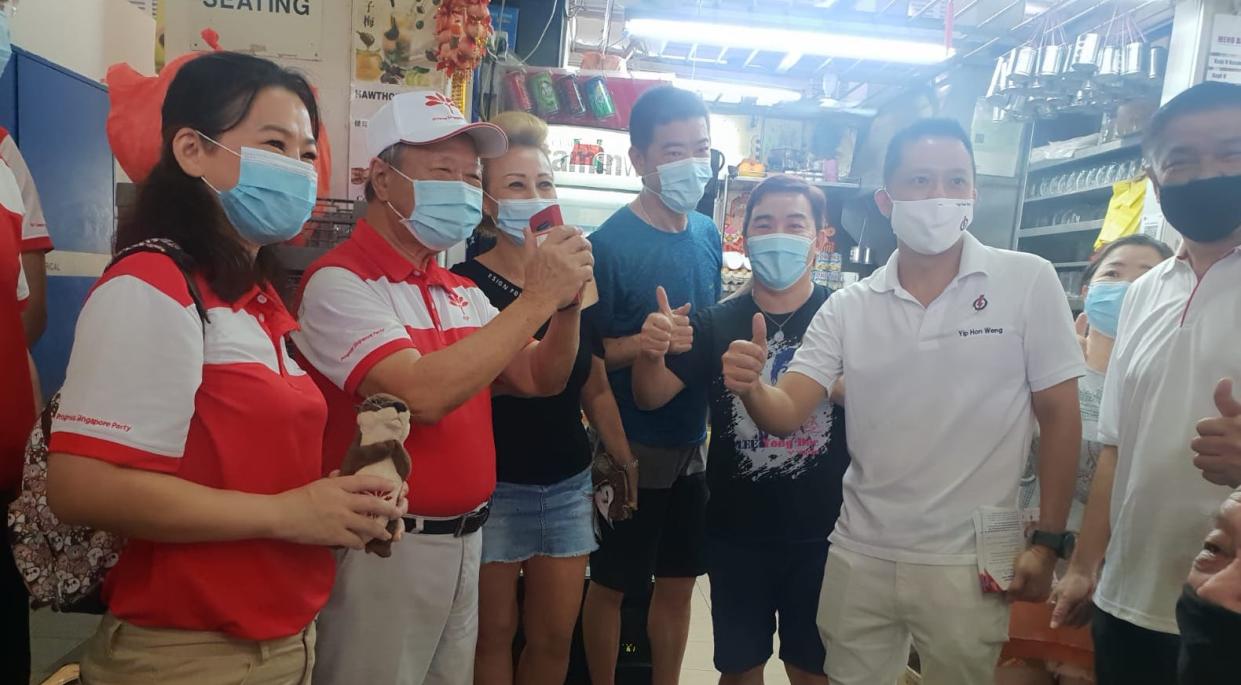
(656, 253)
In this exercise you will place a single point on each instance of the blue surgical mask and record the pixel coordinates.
(513, 216)
(682, 183)
(445, 212)
(1103, 301)
(273, 198)
(779, 259)
(6, 44)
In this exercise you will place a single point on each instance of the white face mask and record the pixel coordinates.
(931, 227)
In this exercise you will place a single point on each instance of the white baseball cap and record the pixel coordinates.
(421, 117)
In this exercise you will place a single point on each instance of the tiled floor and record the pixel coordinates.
(53, 636)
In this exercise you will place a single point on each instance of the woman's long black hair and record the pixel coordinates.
(210, 94)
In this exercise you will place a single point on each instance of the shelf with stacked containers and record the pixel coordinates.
(1065, 202)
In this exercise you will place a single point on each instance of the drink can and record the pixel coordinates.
(543, 90)
(571, 95)
(601, 105)
(518, 94)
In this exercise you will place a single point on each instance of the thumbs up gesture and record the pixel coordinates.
(666, 330)
(745, 359)
(1218, 445)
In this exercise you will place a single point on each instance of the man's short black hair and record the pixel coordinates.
(661, 105)
(1204, 97)
(924, 128)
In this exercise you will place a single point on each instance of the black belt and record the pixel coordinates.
(456, 527)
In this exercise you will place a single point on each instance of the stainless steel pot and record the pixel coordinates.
(1133, 61)
(1051, 60)
(1157, 63)
(999, 83)
(1111, 60)
(1025, 64)
(1085, 55)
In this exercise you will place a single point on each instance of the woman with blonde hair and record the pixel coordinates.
(541, 513)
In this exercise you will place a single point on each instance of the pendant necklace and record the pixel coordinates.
(779, 336)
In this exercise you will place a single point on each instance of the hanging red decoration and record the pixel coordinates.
(462, 31)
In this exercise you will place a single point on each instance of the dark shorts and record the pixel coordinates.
(663, 539)
(754, 582)
(1126, 654)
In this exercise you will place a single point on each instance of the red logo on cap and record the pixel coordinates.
(437, 100)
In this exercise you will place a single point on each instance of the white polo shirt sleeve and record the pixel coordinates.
(821, 355)
(135, 369)
(347, 327)
(1052, 352)
(12, 216)
(34, 228)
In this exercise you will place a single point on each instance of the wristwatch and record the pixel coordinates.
(1060, 543)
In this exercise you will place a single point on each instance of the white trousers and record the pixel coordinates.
(410, 619)
(870, 610)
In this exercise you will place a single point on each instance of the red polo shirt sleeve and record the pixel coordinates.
(347, 327)
(130, 386)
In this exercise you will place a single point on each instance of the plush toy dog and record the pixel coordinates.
(379, 450)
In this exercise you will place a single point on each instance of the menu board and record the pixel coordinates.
(1224, 55)
(391, 39)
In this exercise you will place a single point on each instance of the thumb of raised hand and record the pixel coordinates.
(760, 330)
(1224, 401)
(661, 297)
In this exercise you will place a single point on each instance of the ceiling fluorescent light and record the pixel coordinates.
(779, 39)
(733, 93)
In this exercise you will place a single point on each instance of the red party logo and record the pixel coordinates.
(439, 100)
(459, 302)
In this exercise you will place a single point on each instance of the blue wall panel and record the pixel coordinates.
(65, 296)
(8, 95)
(61, 118)
(58, 119)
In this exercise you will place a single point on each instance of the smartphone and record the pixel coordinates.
(544, 221)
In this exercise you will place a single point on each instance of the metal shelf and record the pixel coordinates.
(1060, 229)
(295, 258)
(1097, 190)
(1114, 146)
(1071, 265)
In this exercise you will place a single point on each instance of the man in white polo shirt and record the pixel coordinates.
(1166, 416)
(379, 314)
(951, 350)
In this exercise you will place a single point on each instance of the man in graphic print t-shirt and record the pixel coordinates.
(774, 500)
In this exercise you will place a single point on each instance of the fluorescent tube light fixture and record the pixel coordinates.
(736, 92)
(823, 44)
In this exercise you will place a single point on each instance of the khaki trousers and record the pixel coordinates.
(870, 610)
(121, 653)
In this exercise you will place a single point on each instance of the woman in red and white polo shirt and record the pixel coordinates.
(200, 442)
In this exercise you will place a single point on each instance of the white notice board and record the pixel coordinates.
(1224, 56)
(268, 28)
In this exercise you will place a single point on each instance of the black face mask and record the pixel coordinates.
(1210, 641)
(1205, 210)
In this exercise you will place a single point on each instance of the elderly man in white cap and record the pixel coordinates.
(380, 314)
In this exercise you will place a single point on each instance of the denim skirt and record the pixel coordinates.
(540, 520)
